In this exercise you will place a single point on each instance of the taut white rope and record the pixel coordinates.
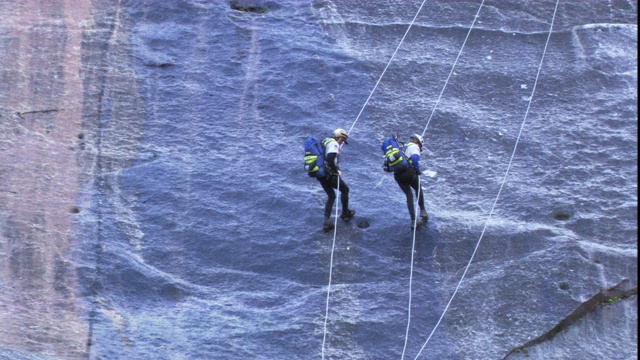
(413, 247)
(406, 339)
(324, 337)
(452, 67)
(386, 67)
(333, 246)
(504, 180)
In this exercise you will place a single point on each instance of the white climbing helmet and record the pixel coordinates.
(417, 137)
(341, 133)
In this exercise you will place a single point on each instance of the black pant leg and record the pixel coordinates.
(344, 195)
(415, 184)
(331, 196)
(404, 181)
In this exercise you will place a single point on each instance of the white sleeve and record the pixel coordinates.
(412, 149)
(332, 147)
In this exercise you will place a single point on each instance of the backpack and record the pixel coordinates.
(394, 158)
(314, 158)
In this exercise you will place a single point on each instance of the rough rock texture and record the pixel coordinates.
(41, 106)
(153, 202)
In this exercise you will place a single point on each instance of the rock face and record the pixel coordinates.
(41, 107)
(153, 202)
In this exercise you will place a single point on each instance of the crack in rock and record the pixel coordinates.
(618, 292)
(20, 114)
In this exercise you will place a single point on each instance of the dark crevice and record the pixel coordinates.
(619, 292)
(252, 6)
(159, 65)
(95, 51)
(20, 114)
(561, 215)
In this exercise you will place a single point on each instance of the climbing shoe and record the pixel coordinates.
(416, 224)
(346, 215)
(424, 214)
(328, 225)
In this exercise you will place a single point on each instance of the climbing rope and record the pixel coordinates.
(455, 62)
(324, 337)
(386, 67)
(413, 247)
(333, 246)
(406, 338)
(504, 180)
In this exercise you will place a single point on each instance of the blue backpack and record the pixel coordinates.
(314, 158)
(394, 158)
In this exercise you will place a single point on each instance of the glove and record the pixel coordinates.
(418, 172)
(339, 173)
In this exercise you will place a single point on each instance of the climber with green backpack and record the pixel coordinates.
(405, 166)
(321, 161)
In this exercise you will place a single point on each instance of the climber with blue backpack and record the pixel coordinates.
(321, 161)
(405, 166)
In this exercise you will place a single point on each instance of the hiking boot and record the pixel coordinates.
(424, 214)
(346, 215)
(327, 225)
(416, 224)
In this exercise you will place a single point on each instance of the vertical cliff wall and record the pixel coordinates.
(41, 112)
(153, 202)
